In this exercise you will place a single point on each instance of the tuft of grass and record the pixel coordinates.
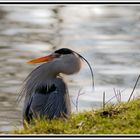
(122, 118)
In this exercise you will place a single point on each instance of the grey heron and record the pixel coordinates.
(46, 93)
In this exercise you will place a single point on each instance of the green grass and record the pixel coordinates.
(123, 118)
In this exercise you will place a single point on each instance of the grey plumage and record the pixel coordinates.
(53, 103)
(46, 93)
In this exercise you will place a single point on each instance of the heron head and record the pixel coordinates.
(62, 54)
(55, 55)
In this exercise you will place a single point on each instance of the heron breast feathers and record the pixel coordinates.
(46, 89)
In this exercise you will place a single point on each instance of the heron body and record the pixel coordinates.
(46, 93)
(50, 101)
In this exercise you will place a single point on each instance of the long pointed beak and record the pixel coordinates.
(42, 59)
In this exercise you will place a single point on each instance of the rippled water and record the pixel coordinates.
(107, 35)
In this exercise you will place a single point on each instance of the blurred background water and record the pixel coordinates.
(108, 36)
